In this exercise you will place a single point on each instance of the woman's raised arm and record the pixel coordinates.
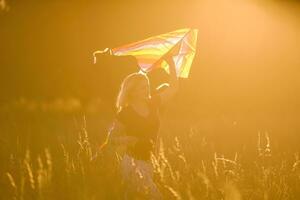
(171, 90)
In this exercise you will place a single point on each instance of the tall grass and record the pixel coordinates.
(71, 173)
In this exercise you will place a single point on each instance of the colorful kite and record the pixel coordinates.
(181, 44)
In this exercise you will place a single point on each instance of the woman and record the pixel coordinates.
(138, 117)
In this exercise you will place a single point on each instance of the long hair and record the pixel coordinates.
(128, 85)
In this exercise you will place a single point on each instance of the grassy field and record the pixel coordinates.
(42, 160)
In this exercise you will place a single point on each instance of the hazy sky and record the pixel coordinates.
(248, 51)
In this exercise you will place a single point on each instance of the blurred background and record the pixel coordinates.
(244, 79)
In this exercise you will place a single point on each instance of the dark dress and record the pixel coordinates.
(143, 128)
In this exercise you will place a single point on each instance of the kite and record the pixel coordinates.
(180, 44)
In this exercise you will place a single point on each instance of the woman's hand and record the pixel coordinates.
(105, 52)
(172, 88)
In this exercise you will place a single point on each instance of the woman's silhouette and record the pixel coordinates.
(138, 118)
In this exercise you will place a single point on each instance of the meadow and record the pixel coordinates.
(45, 155)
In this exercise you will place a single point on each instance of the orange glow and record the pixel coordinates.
(231, 131)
